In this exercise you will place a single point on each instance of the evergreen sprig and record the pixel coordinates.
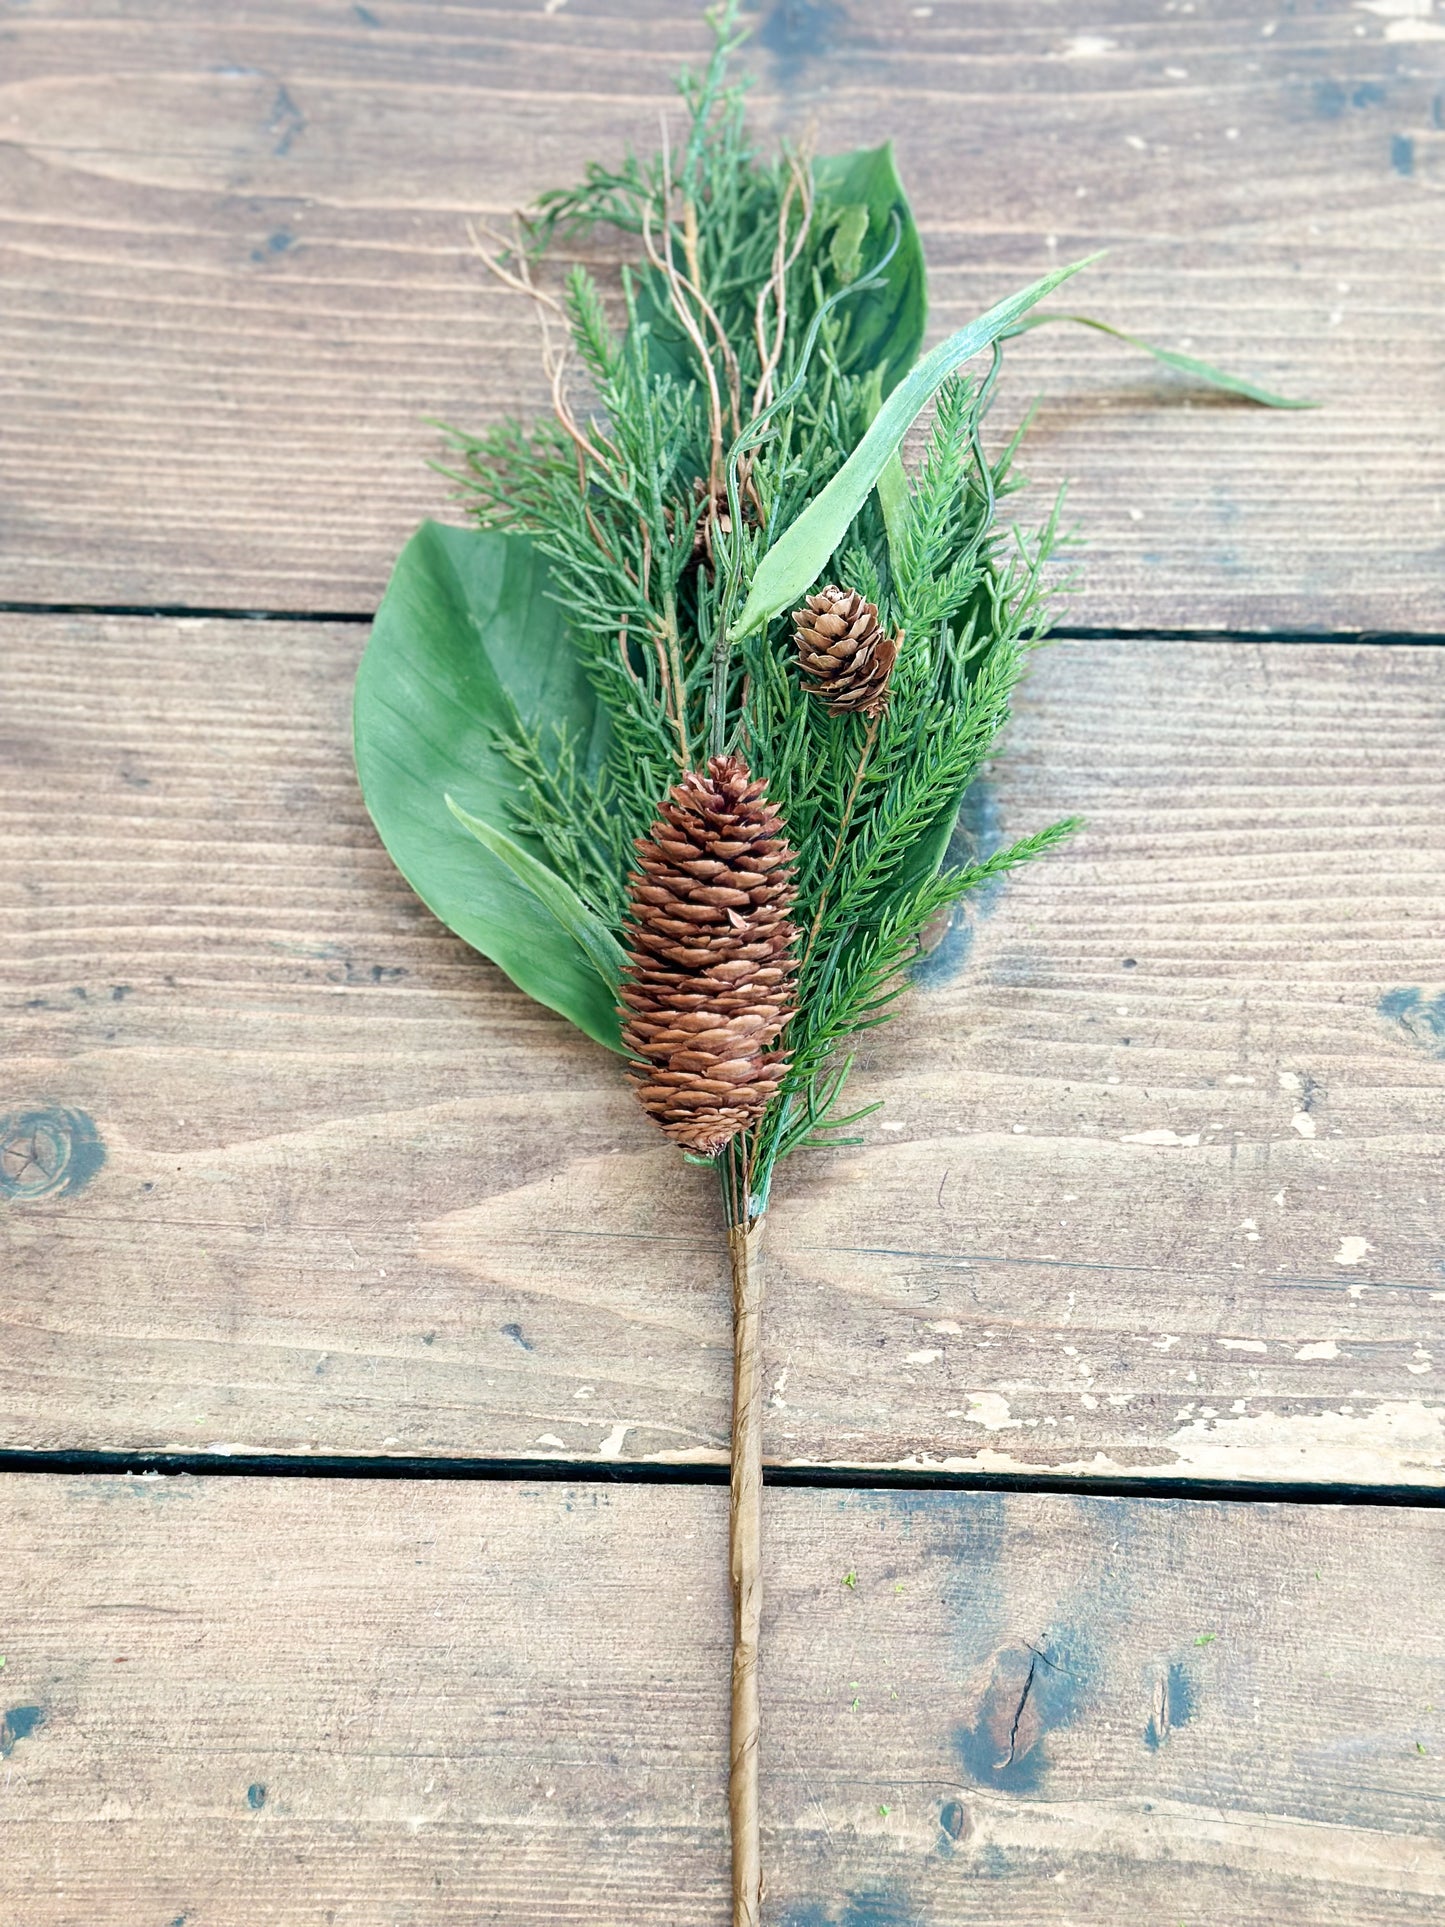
(722, 395)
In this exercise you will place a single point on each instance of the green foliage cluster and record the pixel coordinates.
(775, 305)
(726, 433)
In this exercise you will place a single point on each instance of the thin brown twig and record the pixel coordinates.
(692, 281)
(622, 651)
(522, 283)
(554, 359)
(689, 232)
(676, 282)
(800, 181)
(679, 680)
(664, 675)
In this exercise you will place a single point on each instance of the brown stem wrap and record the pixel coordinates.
(745, 1523)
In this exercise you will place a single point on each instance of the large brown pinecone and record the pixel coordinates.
(709, 984)
(843, 655)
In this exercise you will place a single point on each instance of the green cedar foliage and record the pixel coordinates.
(726, 434)
(739, 364)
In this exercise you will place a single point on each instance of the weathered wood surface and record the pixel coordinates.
(241, 1702)
(237, 275)
(1156, 1187)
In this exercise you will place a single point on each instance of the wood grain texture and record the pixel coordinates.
(237, 275)
(243, 1702)
(1155, 1188)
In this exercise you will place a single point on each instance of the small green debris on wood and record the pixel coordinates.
(850, 1580)
(883, 1812)
(1419, 1746)
(1205, 1639)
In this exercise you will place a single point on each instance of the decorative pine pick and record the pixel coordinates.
(619, 738)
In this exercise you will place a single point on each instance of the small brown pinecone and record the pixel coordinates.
(716, 517)
(843, 655)
(709, 984)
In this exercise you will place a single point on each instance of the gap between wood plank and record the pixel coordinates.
(275, 1465)
(179, 611)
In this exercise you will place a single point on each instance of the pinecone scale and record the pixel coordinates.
(709, 985)
(843, 655)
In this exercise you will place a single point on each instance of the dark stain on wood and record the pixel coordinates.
(48, 1153)
(1032, 1689)
(1422, 1019)
(865, 1907)
(1173, 1703)
(1333, 100)
(1402, 154)
(18, 1723)
(278, 243)
(798, 31)
(285, 121)
(956, 1824)
(948, 940)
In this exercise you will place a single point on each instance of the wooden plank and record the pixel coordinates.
(238, 277)
(244, 1701)
(1156, 1188)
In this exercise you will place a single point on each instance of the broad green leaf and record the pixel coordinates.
(606, 953)
(467, 642)
(798, 557)
(884, 327)
(1185, 364)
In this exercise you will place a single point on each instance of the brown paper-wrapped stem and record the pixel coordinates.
(746, 1553)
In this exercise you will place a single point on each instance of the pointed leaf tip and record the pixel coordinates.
(800, 554)
(583, 925)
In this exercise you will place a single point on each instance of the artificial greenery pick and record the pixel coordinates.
(678, 732)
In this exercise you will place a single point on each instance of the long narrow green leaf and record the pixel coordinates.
(796, 559)
(554, 893)
(893, 500)
(1185, 364)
